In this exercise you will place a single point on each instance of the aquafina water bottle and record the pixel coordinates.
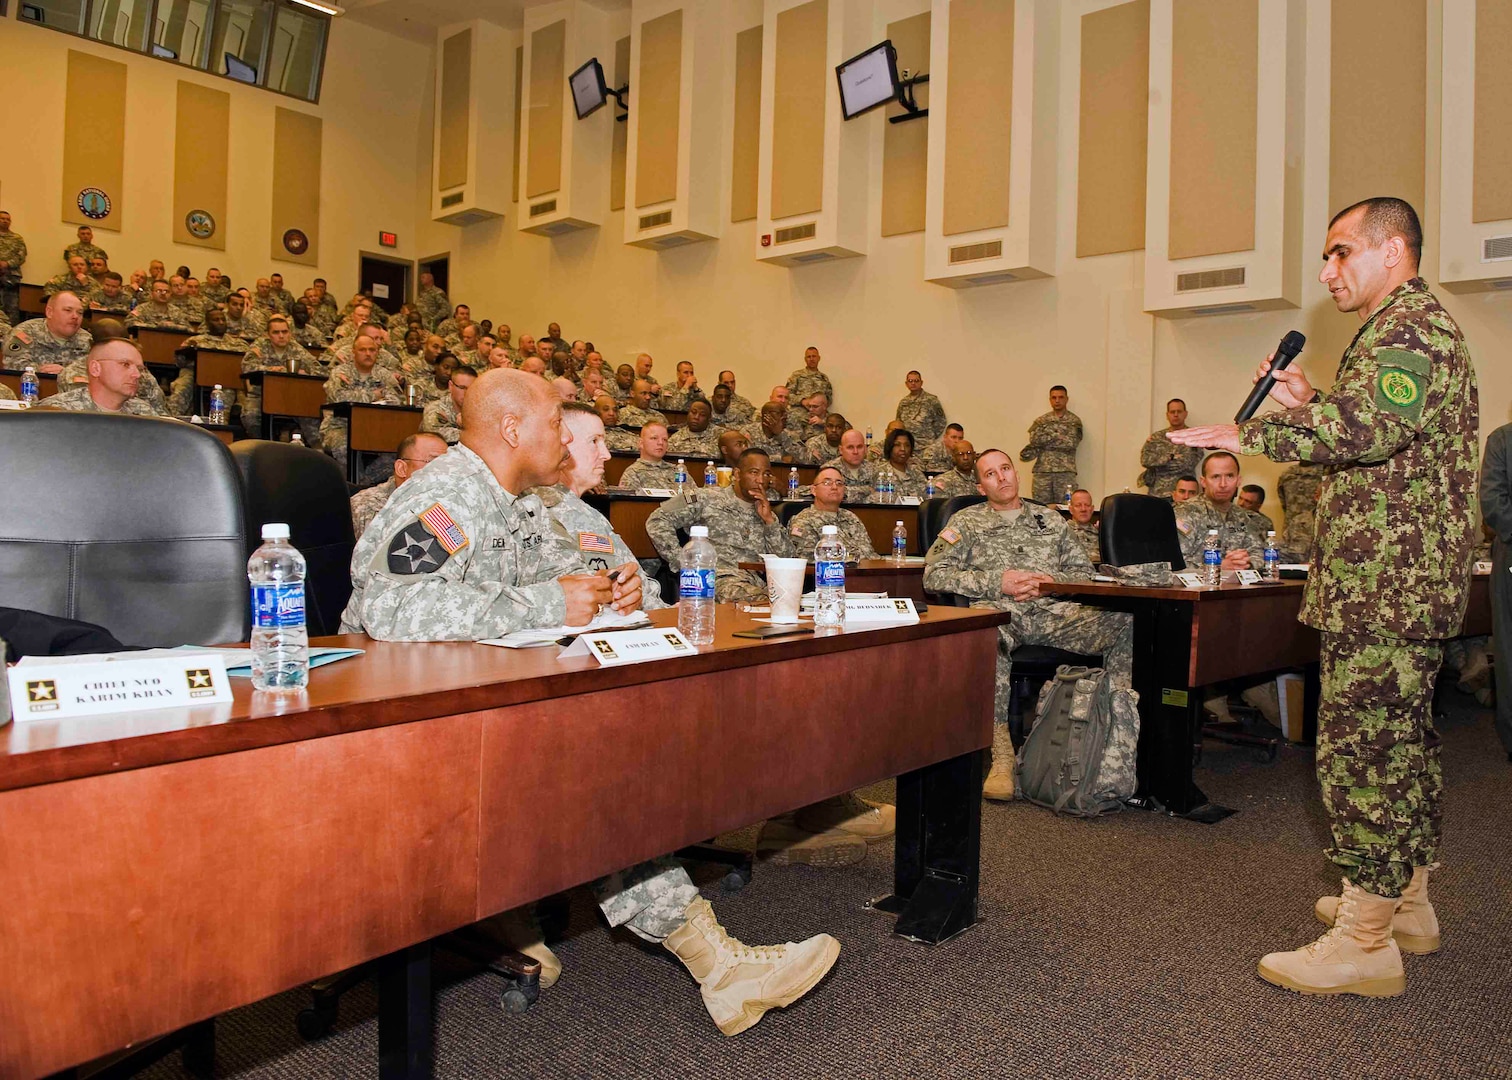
(900, 542)
(217, 406)
(30, 392)
(929, 486)
(793, 484)
(680, 478)
(711, 478)
(695, 587)
(1212, 559)
(280, 646)
(829, 579)
(1272, 570)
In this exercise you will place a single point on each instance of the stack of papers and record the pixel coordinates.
(238, 659)
(607, 619)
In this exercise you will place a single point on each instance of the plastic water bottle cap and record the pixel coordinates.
(699, 530)
(217, 386)
(831, 530)
(275, 530)
(896, 523)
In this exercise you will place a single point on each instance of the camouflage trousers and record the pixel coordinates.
(252, 418)
(731, 586)
(181, 394)
(10, 300)
(651, 898)
(1378, 757)
(1051, 487)
(1065, 625)
(333, 438)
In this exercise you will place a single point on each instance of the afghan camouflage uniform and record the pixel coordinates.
(33, 343)
(687, 443)
(776, 446)
(910, 482)
(77, 399)
(935, 456)
(737, 531)
(1299, 488)
(433, 306)
(948, 485)
(1052, 447)
(367, 502)
(860, 480)
(922, 416)
(1496, 510)
(1398, 432)
(85, 252)
(807, 527)
(651, 474)
(13, 254)
(347, 383)
(805, 383)
(1237, 528)
(634, 416)
(443, 418)
(1165, 462)
(587, 529)
(969, 557)
(263, 355)
(76, 373)
(1086, 536)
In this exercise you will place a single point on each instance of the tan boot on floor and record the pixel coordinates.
(999, 785)
(781, 842)
(1415, 925)
(1477, 669)
(1357, 956)
(520, 931)
(849, 813)
(741, 982)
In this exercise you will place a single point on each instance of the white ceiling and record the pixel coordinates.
(419, 19)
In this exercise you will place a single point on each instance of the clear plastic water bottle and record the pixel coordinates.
(695, 588)
(30, 391)
(885, 488)
(217, 406)
(296, 439)
(681, 476)
(1272, 568)
(829, 579)
(929, 486)
(793, 484)
(900, 542)
(868, 438)
(1212, 559)
(280, 646)
(711, 478)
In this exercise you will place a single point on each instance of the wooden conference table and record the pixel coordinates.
(165, 867)
(871, 575)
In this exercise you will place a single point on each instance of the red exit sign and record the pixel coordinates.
(388, 239)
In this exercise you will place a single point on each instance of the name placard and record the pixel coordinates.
(1249, 577)
(55, 691)
(879, 611)
(657, 493)
(1191, 581)
(630, 646)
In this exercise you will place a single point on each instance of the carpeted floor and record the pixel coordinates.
(1120, 947)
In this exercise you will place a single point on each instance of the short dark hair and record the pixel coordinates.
(1061, 388)
(112, 275)
(1385, 217)
(1174, 400)
(955, 427)
(319, 281)
(913, 371)
(1219, 454)
(1254, 489)
(976, 466)
(462, 369)
(897, 433)
(1186, 478)
(752, 451)
(1082, 491)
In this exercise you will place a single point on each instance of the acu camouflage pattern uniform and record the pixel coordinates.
(584, 525)
(77, 399)
(948, 485)
(181, 394)
(443, 418)
(1398, 432)
(912, 481)
(33, 343)
(433, 306)
(935, 456)
(805, 383)
(1165, 462)
(621, 440)
(85, 252)
(87, 290)
(651, 474)
(686, 443)
(1087, 536)
(263, 355)
(969, 557)
(348, 383)
(781, 445)
(808, 525)
(1299, 488)
(76, 374)
(736, 530)
(739, 414)
(1237, 528)
(1052, 447)
(367, 502)
(819, 449)
(13, 254)
(636, 417)
(860, 480)
(923, 416)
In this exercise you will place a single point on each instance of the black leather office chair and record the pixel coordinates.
(940, 512)
(156, 557)
(1139, 529)
(307, 489)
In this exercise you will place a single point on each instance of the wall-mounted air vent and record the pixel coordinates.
(1197, 280)
(813, 256)
(1495, 248)
(1500, 283)
(990, 279)
(451, 200)
(543, 208)
(991, 249)
(656, 221)
(673, 241)
(795, 232)
(1223, 309)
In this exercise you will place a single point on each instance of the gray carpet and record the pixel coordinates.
(1120, 947)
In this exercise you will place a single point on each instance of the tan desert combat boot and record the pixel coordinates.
(1415, 926)
(999, 785)
(1357, 956)
(741, 982)
(871, 821)
(520, 931)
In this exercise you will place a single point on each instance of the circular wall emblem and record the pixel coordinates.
(295, 242)
(94, 203)
(200, 224)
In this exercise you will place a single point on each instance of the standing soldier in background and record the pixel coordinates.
(920, 411)
(1496, 509)
(1165, 462)
(1299, 488)
(431, 302)
(1053, 439)
(85, 248)
(12, 257)
(1398, 433)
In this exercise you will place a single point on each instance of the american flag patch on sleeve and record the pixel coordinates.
(588, 541)
(444, 529)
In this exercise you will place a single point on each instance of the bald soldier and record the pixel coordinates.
(56, 339)
(115, 369)
(457, 554)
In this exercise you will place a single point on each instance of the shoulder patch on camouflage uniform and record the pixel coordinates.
(949, 535)
(1183, 525)
(414, 550)
(18, 339)
(1401, 383)
(446, 531)
(588, 541)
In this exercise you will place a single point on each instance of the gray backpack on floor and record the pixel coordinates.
(1081, 756)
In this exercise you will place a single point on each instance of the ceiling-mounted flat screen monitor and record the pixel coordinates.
(238, 68)
(868, 80)
(589, 91)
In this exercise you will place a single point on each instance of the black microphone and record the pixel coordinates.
(1286, 352)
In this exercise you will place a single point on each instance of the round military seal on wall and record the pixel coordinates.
(200, 224)
(295, 242)
(94, 203)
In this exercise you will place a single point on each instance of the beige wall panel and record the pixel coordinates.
(1378, 111)
(1214, 100)
(201, 154)
(296, 182)
(548, 80)
(514, 185)
(746, 167)
(798, 110)
(619, 149)
(660, 80)
(1491, 198)
(456, 104)
(977, 128)
(905, 147)
(1113, 141)
(94, 153)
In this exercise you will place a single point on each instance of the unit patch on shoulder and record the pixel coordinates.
(1401, 385)
(446, 531)
(588, 541)
(949, 535)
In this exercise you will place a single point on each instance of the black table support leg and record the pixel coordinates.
(937, 857)
(405, 1015)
